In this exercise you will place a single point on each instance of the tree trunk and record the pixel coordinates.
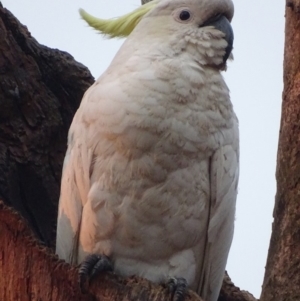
(282, 277)
(40, 90)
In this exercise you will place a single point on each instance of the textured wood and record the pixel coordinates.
(30, 271)
(282, 277)
(40, 90)
(229, 292)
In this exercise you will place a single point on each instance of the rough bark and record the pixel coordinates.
(40, 90)
(282, 276)
(30, 271)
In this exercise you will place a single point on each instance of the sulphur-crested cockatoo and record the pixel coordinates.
(151, 172)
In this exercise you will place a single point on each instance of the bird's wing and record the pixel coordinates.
(224, 174)
(73, 195)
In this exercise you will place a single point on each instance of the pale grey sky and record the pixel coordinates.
(255, 81)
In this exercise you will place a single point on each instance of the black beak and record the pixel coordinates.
(221, 23)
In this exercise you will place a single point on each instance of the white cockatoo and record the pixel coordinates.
(151, 172)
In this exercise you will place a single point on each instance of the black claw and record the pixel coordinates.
(103, 265)
(171, 285)
(92, 266)
(177, 288)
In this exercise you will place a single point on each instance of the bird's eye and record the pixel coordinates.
(184, 15)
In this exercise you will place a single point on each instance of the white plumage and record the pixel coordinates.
(151, 172)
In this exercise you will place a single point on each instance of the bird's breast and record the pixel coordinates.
(149, 178)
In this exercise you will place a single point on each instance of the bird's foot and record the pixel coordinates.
(177, 288)
(92, 266)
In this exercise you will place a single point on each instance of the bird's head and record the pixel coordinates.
(200, 27)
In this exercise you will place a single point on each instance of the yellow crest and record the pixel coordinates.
(119, 27)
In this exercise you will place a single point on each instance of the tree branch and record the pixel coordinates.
(34, 272)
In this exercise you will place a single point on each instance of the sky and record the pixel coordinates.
(255, 80)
